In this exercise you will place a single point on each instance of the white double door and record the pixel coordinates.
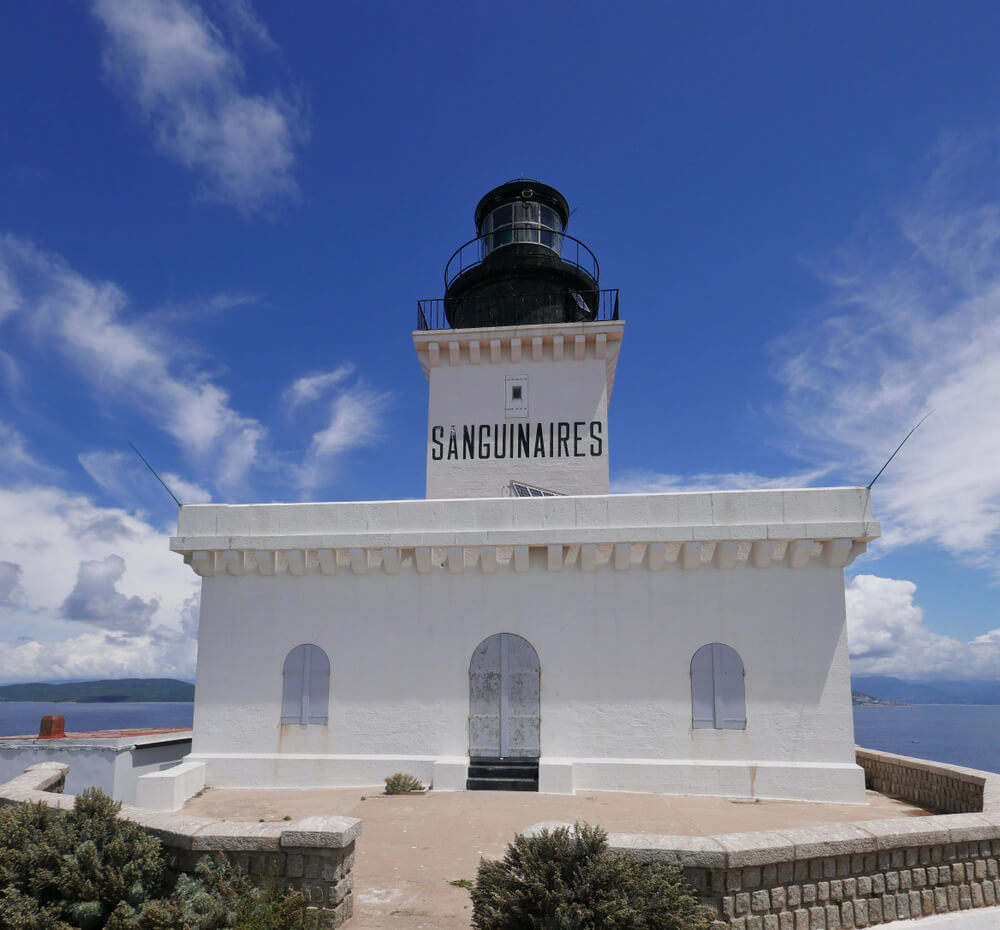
(504, 698)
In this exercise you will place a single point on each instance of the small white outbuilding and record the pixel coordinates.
(522, 627)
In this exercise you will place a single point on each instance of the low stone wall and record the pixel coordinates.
(950, 789)
(314, 855)
(840, 876)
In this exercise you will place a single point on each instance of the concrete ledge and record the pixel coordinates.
(307, 770)
(826, 525)
(450, 774)
(555, 776)
(169, 789)
(792, 781)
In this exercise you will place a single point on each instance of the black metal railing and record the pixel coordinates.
(571, 251)
(526, 309)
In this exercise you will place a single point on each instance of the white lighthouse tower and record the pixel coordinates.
(521, 377)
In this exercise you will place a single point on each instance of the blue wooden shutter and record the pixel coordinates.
(292, 685)
(317, 690)
(702, 689)
(730, 696)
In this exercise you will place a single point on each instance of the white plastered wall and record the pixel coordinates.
(569, 392)
(565, 373)
(614, 649)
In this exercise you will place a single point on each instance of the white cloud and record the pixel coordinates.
(10, 298)
(187, 491)
(639, 481)
(243, 21)
(11, 592)
(95, 599)
(887, 636)
(130, 362)
(10, 371)
(354, 421)
(14, 455)
(915, 326)
(50, 534)
(160, 653)
(311, 387)
(174, 61)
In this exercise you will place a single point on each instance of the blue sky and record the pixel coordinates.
(216, 219)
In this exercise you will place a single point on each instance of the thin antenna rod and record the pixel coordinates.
(153, 470)
(900, 446)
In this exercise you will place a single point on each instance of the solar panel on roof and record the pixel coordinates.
(520, 489)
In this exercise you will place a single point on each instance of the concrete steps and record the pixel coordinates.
(502, 775)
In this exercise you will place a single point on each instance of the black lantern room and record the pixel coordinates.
(522, 267)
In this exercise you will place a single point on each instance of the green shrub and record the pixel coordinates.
(568, 879)
(401, 784)
(86, 869)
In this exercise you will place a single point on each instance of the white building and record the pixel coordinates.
(521, 616)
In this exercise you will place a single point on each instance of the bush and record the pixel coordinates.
(401, 784)
(568, 879)
(86, 869)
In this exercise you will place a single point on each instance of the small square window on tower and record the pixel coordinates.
(516, 397)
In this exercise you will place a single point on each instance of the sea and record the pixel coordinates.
(960, 734)
(21, 718)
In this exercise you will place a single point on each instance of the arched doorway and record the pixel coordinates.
(504, 699)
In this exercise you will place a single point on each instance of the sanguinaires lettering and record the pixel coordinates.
(596, 442)
(540, 442)
(500, 441)
(562, 439)
(523, 441)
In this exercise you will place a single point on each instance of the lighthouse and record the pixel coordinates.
(522, 627)
(520, 355)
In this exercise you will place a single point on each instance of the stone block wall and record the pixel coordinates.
(849, 891)
(314, 855)
(950, 789)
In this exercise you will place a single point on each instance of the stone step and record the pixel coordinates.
(502, 774)
(501, 784)
(503, 771)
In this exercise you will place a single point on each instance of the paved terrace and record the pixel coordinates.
(412, 847)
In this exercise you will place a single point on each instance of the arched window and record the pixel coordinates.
(305, 687)
(718, 699)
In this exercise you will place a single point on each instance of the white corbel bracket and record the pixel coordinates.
(327, 559)
(390, 561)
(762, 552)
(727, 553)
(837, 552)
(203, 563)
(359, 561)
(799, 552)
(691, 556)
(295, 559)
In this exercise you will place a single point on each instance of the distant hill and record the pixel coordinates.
(102, 692)
(867, 700)
(939, 692)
